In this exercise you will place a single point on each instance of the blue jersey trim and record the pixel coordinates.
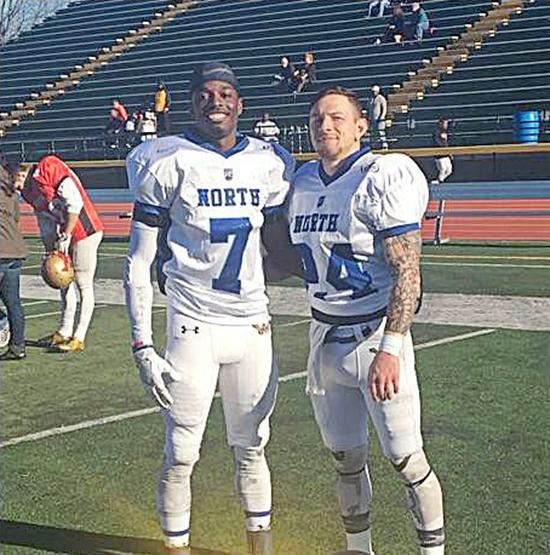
(149, 214)
(257, 513)
(240, 145)
(398, 230)
(164, 254)
(178, 534)
(344, 166)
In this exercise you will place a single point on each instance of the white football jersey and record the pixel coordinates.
(211, 206)
(338, 224)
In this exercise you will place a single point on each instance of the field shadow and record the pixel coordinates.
(63, 540)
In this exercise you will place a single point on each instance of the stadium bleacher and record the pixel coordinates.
(252, 35)
(509, 73)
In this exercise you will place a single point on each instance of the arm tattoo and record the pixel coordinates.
(403, 255)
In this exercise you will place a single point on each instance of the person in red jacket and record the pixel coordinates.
(68, 222)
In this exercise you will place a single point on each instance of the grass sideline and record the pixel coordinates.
(484, 401)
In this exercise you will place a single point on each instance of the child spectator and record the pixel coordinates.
(267, 129)
(307, 75)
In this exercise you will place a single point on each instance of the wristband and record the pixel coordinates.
(391, 343)
(138, 346)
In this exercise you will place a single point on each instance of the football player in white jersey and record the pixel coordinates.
(355, 217)
(204, 196)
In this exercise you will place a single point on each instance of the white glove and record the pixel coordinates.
(64, 243)
(155, 372)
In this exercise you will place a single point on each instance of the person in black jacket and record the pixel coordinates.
(283, 79)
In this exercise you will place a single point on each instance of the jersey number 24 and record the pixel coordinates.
(344, 272)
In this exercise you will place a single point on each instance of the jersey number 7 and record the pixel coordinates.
(220, 231)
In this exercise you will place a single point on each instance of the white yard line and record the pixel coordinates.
(486, 257)
(61, 430)
(33, 303)
(44, 314)
(486, 265)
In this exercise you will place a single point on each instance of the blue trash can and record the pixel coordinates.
(527, 126)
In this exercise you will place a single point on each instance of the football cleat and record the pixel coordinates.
(73, 345)
(52, 340)
(57, 270)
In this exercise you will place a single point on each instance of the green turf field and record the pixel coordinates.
(485, 407)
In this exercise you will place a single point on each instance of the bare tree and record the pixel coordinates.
(17, 16)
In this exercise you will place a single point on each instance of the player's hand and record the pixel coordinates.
(383, 379)
(155, 372)
(63, 243)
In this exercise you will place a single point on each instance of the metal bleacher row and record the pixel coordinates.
(252, 35)
(64, 40)
(510, 72)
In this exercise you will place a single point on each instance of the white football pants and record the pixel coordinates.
(84, 256)
(342, 412)
(240, 360)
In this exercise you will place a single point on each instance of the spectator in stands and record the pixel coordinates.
(162, 108)
(148, 128)
(419, 22)
(306, 75)
(117, 118)
(12, 253)
(395, 31)
(443, 162)
(382, 5)
(284, 77)
(267, 129)
(377, 109)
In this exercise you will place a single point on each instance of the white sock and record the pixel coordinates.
(177, 541)
(437, 550)
(360, 541)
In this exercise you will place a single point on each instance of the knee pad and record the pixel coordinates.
(179, 452)
(353, 488)
(424, 496)
(350, 462)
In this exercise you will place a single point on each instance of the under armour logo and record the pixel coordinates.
(321, 201)
(185, 329)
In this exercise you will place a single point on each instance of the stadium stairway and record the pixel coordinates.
(251, 35)
(506, 74)
(52, 90)
(456, 51)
